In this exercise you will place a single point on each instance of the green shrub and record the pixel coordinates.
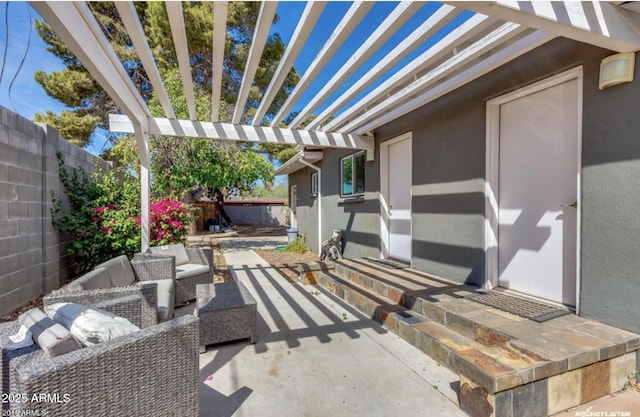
(104, 217)
(297, 246)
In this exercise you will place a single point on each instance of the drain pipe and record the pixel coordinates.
(303, 162)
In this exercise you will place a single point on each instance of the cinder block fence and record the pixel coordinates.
(32, 253)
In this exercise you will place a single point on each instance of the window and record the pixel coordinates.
(352, 175)
(314, 183)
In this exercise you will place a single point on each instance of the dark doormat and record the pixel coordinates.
(519, 306)
(389, 263)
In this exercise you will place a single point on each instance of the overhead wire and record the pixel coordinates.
(6, 39)
(24, 57)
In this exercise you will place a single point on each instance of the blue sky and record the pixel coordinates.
(27, 97)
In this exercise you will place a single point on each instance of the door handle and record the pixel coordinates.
(574, 204)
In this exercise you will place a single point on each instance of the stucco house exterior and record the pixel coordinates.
(526, 178)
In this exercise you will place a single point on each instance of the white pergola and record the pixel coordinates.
(497, 32)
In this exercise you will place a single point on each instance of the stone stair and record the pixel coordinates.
(508, 366)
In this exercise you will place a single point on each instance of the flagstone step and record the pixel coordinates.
(507, 364)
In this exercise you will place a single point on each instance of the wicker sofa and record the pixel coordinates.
(150, 372)
(142, 291)
(193, 267)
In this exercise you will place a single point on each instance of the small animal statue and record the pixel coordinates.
(332, 248)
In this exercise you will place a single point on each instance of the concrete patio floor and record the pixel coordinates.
(315, 356)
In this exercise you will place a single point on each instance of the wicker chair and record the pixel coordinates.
(138, 302)
(151, 372)
(193, 267)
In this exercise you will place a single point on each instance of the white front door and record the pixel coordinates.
(397, 194)
(537, 198)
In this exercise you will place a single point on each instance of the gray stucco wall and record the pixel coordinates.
(359, 219)
(449, 143)
(32, 254)
(610, 287)
(307, 208)
(449, 146)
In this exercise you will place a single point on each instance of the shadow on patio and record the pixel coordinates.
(315, 355)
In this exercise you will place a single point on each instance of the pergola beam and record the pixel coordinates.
(134, 29)
(307, 22)
(78, 29)
(179, 33)
(598, 23)
(428, 28)
(349, 22)
(466, 31)
(260, 35)
(396, 19)
(220, 11)
(227, 131)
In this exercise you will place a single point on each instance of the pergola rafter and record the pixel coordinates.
(267, 13)
(220, 11)
(179, 33)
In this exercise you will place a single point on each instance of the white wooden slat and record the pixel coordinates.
(445, 46)
(226, 131)
(396, 19)
(179, 33)
(78, 29)
(428, 28)
(260, 35)
(131, 22)
(307, 22)
(483, 46)
(597, 23)
(220, 11)
(495, 60)
(349, 22)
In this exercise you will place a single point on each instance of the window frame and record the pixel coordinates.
(354, 181)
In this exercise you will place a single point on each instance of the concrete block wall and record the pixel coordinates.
(32, 253)
(258, 215)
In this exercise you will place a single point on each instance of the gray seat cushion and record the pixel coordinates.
(166, 298)
(189, 270)
(52, 337)
(120, 271)
(98, 278)
(178, 251)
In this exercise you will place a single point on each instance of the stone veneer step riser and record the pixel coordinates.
(418, 305)
(539, 391)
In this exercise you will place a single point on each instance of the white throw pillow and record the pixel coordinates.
(89, 325)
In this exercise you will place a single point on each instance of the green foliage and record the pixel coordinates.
(103, 217)
(72, 126)
(297, 246)
(276, 191)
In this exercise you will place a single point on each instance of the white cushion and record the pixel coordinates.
(89, 325)
(189, 270)
(50, 336)
(178, 251)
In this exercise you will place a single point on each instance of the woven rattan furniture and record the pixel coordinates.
(227, 311)
(193, 266)
(148, 299)
(153, 372)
